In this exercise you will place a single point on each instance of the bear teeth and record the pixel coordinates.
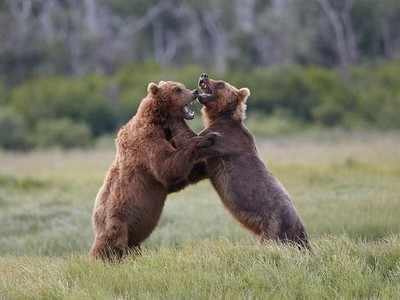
(189, 114)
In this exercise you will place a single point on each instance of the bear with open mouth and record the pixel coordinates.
(246, 187)
(147, 167)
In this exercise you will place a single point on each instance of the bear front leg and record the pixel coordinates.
(181, 134)
(198, 173)
(172, 166)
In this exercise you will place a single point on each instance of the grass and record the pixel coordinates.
(345, 186)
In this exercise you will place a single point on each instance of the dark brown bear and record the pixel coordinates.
(129, 204)
(248, 190)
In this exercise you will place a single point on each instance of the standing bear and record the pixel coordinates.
(247, 189)
(146, 167)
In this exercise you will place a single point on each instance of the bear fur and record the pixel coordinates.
(146, 167)
(246, 187)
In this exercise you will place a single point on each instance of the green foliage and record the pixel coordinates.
(81, 99)
(311, 95)
(379, 94)
(283, 98)
(3, 94)
(63, 133)
(13, 133)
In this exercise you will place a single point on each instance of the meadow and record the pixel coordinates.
(346, 187)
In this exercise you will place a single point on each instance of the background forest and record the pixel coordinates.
(73, 70)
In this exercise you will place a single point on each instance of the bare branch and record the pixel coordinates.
(339, 33)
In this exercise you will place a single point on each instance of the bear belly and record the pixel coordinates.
(144, 211)
(249, 192)
(243, 183)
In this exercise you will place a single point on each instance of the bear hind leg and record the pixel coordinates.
(269, 230)
(113, 243)
(296, 235)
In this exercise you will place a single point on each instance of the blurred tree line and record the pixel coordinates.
(77, 37)
(71, 70)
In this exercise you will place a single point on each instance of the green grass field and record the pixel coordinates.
(346, 188)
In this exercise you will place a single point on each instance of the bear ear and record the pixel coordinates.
(152, 88)
(244, 93)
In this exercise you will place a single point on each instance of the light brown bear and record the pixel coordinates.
(129, 204)
(248, 190)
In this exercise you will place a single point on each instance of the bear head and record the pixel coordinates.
(172, 99)
(222, 99)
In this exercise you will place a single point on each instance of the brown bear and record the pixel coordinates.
(247, 189)
(129, 204)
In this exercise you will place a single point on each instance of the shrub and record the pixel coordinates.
(80, 99)
(283, 97)
(13, 133)
(379, 94)
(3, 94)
(63, 133)
(283, 89)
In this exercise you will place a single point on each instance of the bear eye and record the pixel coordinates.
(220, 85)
(177, 90)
